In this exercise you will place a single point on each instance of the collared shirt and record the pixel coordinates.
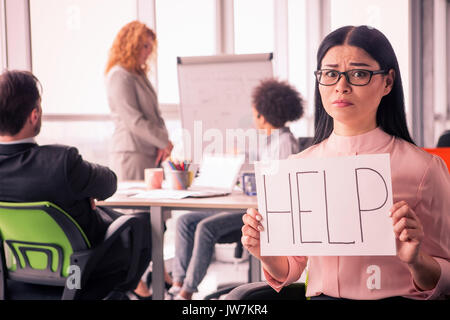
(26, 140)
(420, 179)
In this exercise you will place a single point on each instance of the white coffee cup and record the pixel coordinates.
(153, 178)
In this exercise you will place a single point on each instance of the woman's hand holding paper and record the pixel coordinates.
(250, 232)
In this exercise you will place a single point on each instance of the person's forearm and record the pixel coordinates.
(277, 267)
(426, 271)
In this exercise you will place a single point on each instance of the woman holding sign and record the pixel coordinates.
(360, 110)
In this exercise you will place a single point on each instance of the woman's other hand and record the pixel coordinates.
(92, 202)
(160, 157)
(250, 232)
(163, 154)
(169, 147)
(408, 232)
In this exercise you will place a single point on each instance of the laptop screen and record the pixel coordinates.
(219, 171)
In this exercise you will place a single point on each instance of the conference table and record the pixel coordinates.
(125, 198)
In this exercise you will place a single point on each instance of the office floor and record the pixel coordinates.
(223, 270)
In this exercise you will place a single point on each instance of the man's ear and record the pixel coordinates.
(34, 116)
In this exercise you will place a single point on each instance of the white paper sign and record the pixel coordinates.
(326, 207)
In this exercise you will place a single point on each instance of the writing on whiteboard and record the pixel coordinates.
(218, 89)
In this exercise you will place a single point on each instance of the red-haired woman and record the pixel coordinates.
(140, 139)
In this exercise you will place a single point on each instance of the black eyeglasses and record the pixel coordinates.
(356, 77)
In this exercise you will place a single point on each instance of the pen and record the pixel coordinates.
(172, 165)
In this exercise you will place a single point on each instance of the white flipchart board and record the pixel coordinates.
(216, 90)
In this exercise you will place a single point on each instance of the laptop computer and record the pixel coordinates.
(217, 175)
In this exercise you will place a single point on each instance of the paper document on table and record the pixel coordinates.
(163, 194)
(127, 192)
(130, 188)
(131, 185)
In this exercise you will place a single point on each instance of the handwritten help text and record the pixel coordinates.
(333, 206)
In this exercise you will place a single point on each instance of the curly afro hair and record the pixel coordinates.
(278, 102)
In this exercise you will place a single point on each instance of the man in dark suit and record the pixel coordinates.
(56, 173)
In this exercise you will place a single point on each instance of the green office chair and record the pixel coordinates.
(41, 244)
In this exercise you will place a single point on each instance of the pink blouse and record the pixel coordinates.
(420, 179)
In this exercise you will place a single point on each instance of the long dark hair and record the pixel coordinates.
(391, 111)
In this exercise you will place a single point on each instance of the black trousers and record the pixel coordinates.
(111, 273)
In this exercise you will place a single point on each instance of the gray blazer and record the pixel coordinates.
(139, 127)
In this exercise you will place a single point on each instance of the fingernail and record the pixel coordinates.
(260, 228)
(258, 217)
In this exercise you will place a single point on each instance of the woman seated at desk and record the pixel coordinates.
(274, 104)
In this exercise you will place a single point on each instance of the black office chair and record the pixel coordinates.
(444, 140)
(262, 291)
(305, 142)
(40, 243)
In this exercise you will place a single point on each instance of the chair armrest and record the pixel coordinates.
(117, 226)
(262, 291)
(245, 291)
(113, 232)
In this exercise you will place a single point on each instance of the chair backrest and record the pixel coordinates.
(444, 153)
(305, 142)
(38, 239)
(444, 140)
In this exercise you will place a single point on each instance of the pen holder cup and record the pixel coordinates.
(249, 184)
(178, 179)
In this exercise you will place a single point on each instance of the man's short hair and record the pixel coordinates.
(19, 95)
